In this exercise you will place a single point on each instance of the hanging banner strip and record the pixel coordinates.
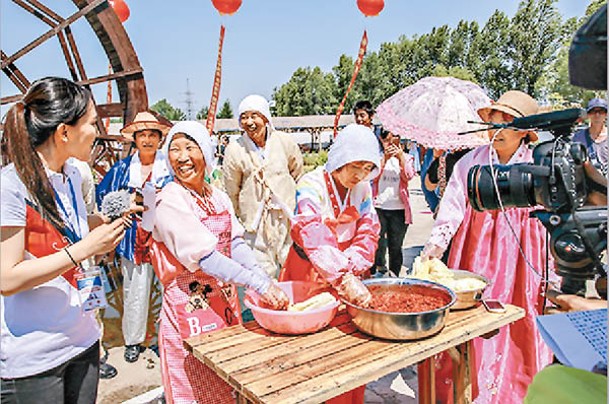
(358, 65)
(215, 92)
(108, 97)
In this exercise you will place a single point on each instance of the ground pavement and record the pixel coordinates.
(139, 382)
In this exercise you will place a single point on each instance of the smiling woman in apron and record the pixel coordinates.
(335, 229)
(199, 255)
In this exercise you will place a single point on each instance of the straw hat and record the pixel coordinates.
(515, 103)
(145, 120)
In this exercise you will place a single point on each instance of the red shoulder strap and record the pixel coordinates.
(42, 239)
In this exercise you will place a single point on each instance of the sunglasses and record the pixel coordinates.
(597, 111)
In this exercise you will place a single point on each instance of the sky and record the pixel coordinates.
(266, 40)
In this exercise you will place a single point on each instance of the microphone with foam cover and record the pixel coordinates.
(115, 204)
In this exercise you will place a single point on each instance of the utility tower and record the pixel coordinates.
(188, 101)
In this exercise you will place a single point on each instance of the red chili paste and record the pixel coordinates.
(407, 299)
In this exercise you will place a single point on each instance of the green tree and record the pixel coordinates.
(164, 108)
(309, 91)
(202, 114)
(342, 74)
(535, 35)
(226, 111)
(491, 66)
(561, 94)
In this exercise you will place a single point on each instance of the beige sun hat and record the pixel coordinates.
(515, 103)
(146, 120)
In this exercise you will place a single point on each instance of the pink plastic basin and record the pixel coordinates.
(292, 322)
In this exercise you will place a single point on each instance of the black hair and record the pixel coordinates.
(48, 102)
(365, 105)
(384, 133)
(158, 132)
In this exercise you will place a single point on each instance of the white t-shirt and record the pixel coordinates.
(388, 197)
(46, 326)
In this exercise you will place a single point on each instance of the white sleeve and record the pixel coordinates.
(12, 201)
(177, 226)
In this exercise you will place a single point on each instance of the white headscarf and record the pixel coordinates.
(200, 134)
(354, 143)
(256, 103)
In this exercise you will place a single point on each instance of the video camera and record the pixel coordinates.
(555, 180)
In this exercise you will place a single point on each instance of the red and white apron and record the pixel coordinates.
(195, 303)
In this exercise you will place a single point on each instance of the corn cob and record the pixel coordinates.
(315, 302)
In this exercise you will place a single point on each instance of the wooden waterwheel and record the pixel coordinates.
(125, 71)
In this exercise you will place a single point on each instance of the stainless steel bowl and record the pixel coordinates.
(401, 326)
(468, 298)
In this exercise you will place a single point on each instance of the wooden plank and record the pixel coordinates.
(76, 54)
(222, 334)
(108, 77)
(53, 31)
(15, 75)
(229, 359)
(462, 379)
(309, 369)
(265, 354)
(378, 361)
(250, 342)
(114, 109)
(11, 98)
(299, 368)
(292, 355)
(46, 10)
(249, 327)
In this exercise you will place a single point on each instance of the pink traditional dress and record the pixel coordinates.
(331, 237)
(482, 242)
(193, 301)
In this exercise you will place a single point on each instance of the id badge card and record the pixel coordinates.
(91, 290)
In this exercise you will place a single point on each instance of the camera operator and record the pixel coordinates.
(483, 242)
(595, 136)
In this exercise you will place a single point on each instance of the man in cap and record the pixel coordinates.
(147, 164)
(260, 171)
(595, 136)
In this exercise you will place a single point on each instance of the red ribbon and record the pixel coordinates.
(350, 214)
(358, 65)
(215, 92)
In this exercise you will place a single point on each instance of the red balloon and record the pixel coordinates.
(121, 9)
(371, 8)
(226, 6)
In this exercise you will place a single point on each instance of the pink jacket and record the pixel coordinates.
(408, 172)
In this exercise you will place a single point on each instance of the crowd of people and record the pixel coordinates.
(336, 225)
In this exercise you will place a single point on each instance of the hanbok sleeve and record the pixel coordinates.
(295, 161)
(240, 251)
(314, 236)
(452, 206)
(232, 175)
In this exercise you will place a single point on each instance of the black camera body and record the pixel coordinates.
(555, 180)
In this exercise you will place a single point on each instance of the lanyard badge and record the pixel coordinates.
(91, 289)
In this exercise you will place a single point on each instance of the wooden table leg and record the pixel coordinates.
(462, 377)
(427, 381)
(241, 399)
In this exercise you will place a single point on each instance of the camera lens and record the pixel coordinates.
(514, 184)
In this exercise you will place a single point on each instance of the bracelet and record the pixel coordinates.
(70, 255)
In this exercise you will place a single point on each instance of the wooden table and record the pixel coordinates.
(269, 368)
